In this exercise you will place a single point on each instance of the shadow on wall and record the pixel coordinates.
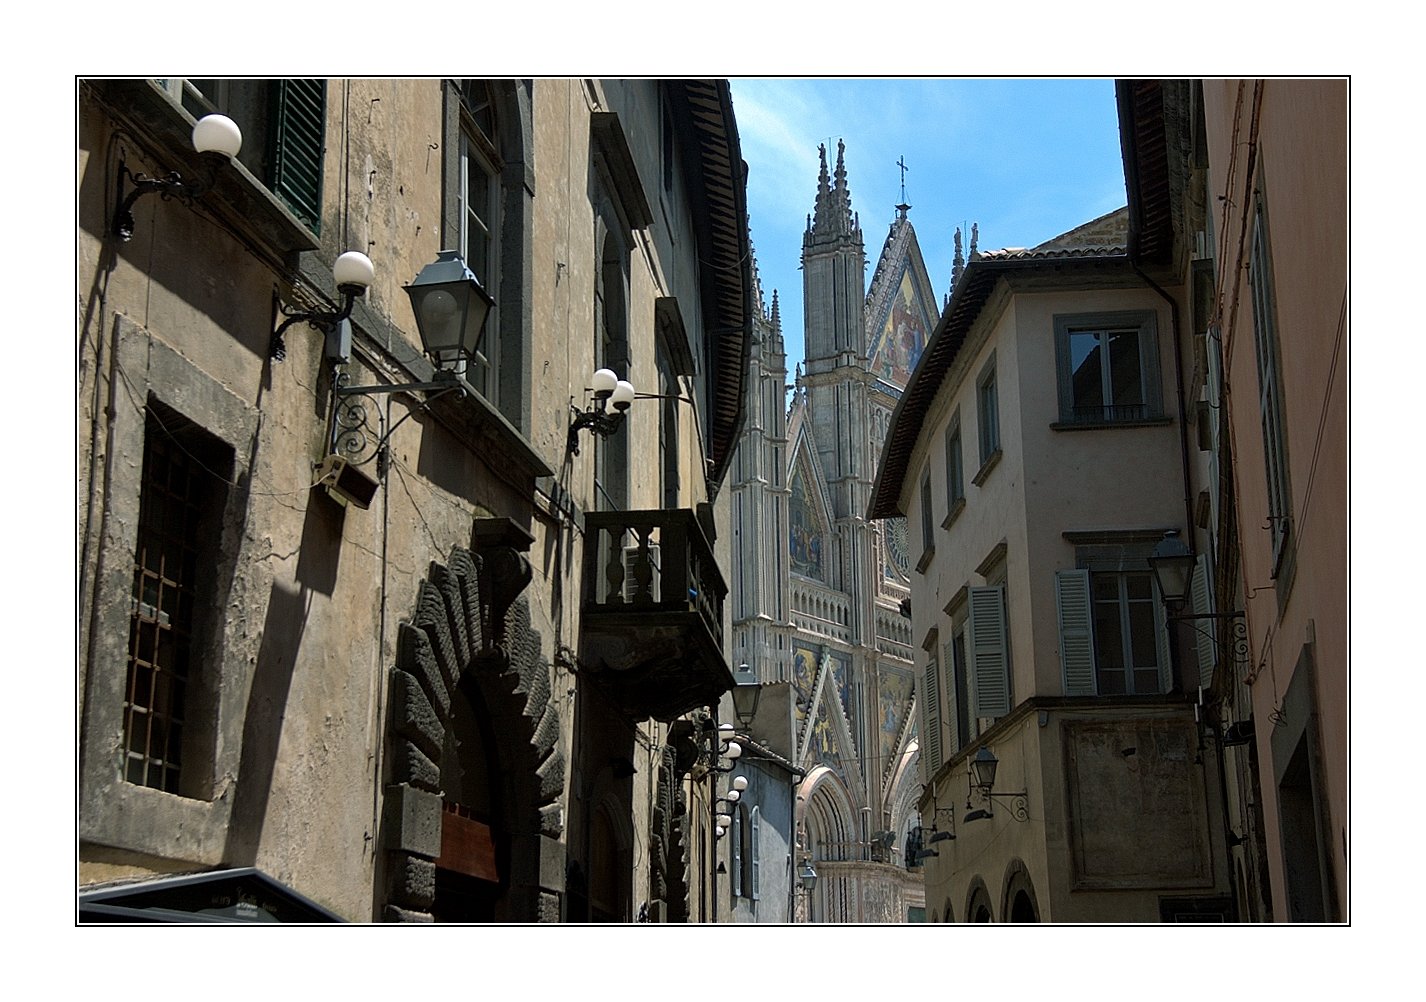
(282, 633)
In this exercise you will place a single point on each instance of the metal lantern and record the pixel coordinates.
(451, 308)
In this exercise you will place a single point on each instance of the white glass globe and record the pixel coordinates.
(217, 134)
(740, 783)
(623, 395)
(603, 382)
(355, 268)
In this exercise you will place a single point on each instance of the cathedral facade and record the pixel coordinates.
(819, 592)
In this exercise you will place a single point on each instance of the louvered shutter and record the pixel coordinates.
(296, 136)
(1076, 632)
(1164, 641)
(1205, 637)
(953, 709)
(989, 652)
(931, 717)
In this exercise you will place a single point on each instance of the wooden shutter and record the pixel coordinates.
(931, 716)
(1205, 638)
(297, 134)
(1076, 632)
(989, 652)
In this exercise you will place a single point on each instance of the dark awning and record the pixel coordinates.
(218, 896)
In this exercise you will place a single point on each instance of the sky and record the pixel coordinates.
(1026, 159)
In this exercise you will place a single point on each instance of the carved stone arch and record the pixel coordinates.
(471, 629)
(978, 907)
(1017, 899)
(830, 816)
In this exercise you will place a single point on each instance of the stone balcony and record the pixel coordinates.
(652, 633)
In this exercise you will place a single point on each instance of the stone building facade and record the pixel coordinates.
(408, 653)
(818, 588)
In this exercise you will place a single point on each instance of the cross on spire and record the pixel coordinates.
(901, 162)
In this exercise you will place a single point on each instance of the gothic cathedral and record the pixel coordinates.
(819, 592)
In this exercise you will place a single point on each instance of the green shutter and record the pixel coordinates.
(1204, 636)
(1076, 632)
(989, 652)
(931, 717)
(296, 139)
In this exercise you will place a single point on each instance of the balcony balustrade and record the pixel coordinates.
(652, 627)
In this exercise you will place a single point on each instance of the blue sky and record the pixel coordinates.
(1026, 159)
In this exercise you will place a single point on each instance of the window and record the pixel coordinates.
(955, 473)
(1113, 637)
(668, 427)
(735, 841)
(611, 351)
(180, 512)
(1108, 367)
(960, 723)
(754, 854)
(284, 133)
(928, 538)
(987, 409)
(1265, 338)
(479, 216)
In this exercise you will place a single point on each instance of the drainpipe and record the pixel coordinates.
(1182, 402)
(1188, 525)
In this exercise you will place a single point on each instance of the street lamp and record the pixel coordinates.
(451, 308)
(1172, 564)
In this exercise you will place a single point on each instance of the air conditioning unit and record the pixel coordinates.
(345, 482)
(631, 583)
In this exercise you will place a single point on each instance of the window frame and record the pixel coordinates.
(1144, 323)
(928, 523)
(1267, 349)
(479, 153)
(107, 807)
(955, 471)
(987, 411)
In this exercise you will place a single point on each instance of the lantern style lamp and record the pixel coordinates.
(983, 767)
(451, 308)
(745, 702)
(1172, 564)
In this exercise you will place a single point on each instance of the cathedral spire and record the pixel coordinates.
(832, 215)
(776, 319)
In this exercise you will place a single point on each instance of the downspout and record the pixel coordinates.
(1188, 525)
(1178, 386)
